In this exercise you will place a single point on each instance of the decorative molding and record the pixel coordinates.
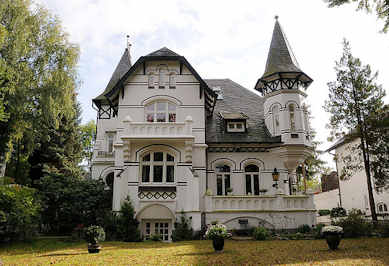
(237, 149)
(157, 195)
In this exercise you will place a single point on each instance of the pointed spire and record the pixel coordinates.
(281, 60)
(128, 48)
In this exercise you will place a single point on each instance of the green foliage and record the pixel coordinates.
(19, 212)
(94, 234)
(304, 229)
(183, 230)
(317, 231)
(217, 231)
(381, 8)
(38, 78)
(356, 105)
(338, 212)
(88, 133)
(156, 237)
(383, 229)
(127, 224)
(324, 212)
(69, 201)
(260, 233)
(354, 225)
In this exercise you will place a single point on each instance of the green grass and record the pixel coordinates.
(363, 251)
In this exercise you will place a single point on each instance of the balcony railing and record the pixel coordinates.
(158, 129)
(105, 154)
(259, 203)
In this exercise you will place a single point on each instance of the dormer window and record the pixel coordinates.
(219, 92)
(236, 127)
(234, 122)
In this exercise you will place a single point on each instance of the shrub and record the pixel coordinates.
(183, 230)
(354, 225)
(260, 233)
(94, 234)
(324, 212)
(156, 237)
(127, 224)
(303, 229)
(338, 212)
(19, 212)
(383, 229)
(317, 231)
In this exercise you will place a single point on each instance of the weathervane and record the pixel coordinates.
(276, 17)
(128, 47)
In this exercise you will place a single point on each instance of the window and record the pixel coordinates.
(110, 143)
(162, 74)
(151, 81)
(223, 179)
(276, 120)
(236, 127)
(292, 117)
(252, 179)
(172, 81)
(161, 111)
(157, 167)
(382, 207)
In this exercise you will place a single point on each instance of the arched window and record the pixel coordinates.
(151, 81)
(109, 179)
(157, 167)
(306, 121)
(223, 179)
(172, 80)
(252, 179)
(160, 111)
(292, 117)
(276, 120)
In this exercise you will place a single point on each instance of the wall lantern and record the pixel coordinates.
(275, 174)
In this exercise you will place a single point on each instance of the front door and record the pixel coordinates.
(154, 227)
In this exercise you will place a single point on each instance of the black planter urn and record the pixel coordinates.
(218, 244)
(333, 240)
(93, 248)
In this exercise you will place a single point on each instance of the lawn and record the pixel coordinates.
(363, 251)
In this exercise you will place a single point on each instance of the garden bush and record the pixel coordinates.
(303, 229)
(156, 237)
(94, 234)
(383, 229)
(127, 224)
(338, 212)
(183, 230)
(317, 231)
(324, 212)
(260, 233)
(354, 225)
(19, 212)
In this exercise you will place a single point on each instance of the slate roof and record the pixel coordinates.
(237, 99)
(123, 66)
(281, 62)
(164, 51)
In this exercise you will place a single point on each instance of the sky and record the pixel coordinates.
(221, 39)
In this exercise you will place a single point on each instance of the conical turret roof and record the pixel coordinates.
(281, 60)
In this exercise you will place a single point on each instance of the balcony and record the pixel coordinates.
(105, 154)
(157, 130)
(276, 203)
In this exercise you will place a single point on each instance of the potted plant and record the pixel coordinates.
(217, 233)
(333, 235)
(93, 234)
(229, 190)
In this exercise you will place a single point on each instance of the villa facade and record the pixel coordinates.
(209, 148)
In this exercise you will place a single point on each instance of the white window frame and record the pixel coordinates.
(234, 127)
(251, 174)
(223, 176)
(110, 140)
(292, 116)
(276, 120)
(165, 111)
(164, 163)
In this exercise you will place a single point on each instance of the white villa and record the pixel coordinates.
(175, 142)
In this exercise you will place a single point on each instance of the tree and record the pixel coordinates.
(381, 7)
(37, 77)
(88, 134)
(127, 223)
(355, 102)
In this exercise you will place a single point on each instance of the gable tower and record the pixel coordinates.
(283, 85)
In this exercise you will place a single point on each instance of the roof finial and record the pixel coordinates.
(276, 17)
(128, 48)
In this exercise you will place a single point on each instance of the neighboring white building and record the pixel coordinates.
(353, 190)
(175, 142)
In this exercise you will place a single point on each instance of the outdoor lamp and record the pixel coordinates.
(275, 174)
